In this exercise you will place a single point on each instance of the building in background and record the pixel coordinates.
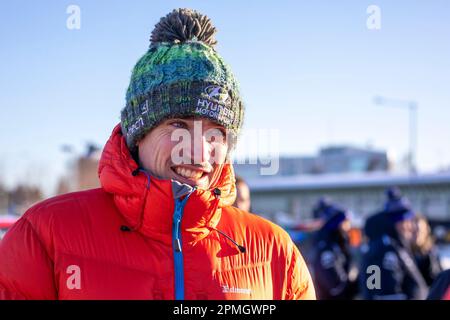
(333, 159)
(18, 200)
(82, 172)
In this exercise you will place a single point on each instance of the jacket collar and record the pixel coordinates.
(147, 203)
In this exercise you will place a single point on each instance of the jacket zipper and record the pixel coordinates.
(177, 247)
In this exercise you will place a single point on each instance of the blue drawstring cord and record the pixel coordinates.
(135, 172)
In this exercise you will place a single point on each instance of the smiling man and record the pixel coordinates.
(162, 225)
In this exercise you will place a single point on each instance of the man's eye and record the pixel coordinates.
(178, 124)
(216, 135)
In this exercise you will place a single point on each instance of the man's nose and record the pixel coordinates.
(201, 149)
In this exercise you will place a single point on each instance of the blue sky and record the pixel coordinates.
(307, 68)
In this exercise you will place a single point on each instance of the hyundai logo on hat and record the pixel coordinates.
(216, 93)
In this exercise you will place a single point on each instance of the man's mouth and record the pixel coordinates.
(190, 173)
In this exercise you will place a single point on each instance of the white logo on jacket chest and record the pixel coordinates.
(227, 289)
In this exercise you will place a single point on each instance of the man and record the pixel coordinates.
(243, 201)
(390, 234)
(161, 226)
(335, 277)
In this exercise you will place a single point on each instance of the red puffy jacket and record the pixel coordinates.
(137, 238)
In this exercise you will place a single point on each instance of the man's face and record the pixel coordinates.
(189, 150)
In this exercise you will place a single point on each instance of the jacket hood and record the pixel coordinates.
(147, 203)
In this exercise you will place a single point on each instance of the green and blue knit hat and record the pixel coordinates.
(181, 75)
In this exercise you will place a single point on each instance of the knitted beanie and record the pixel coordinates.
(397, 207)
(181, 75)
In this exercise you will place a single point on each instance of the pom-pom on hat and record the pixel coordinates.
(397, 207)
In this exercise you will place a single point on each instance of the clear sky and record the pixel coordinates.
(307, 68)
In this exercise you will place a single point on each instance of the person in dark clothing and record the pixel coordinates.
(388, 252)
(425, 251)
(243, 200)
(332, 261)
(440, 289)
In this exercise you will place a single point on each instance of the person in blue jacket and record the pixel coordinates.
(393, 274)
(332, 260)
